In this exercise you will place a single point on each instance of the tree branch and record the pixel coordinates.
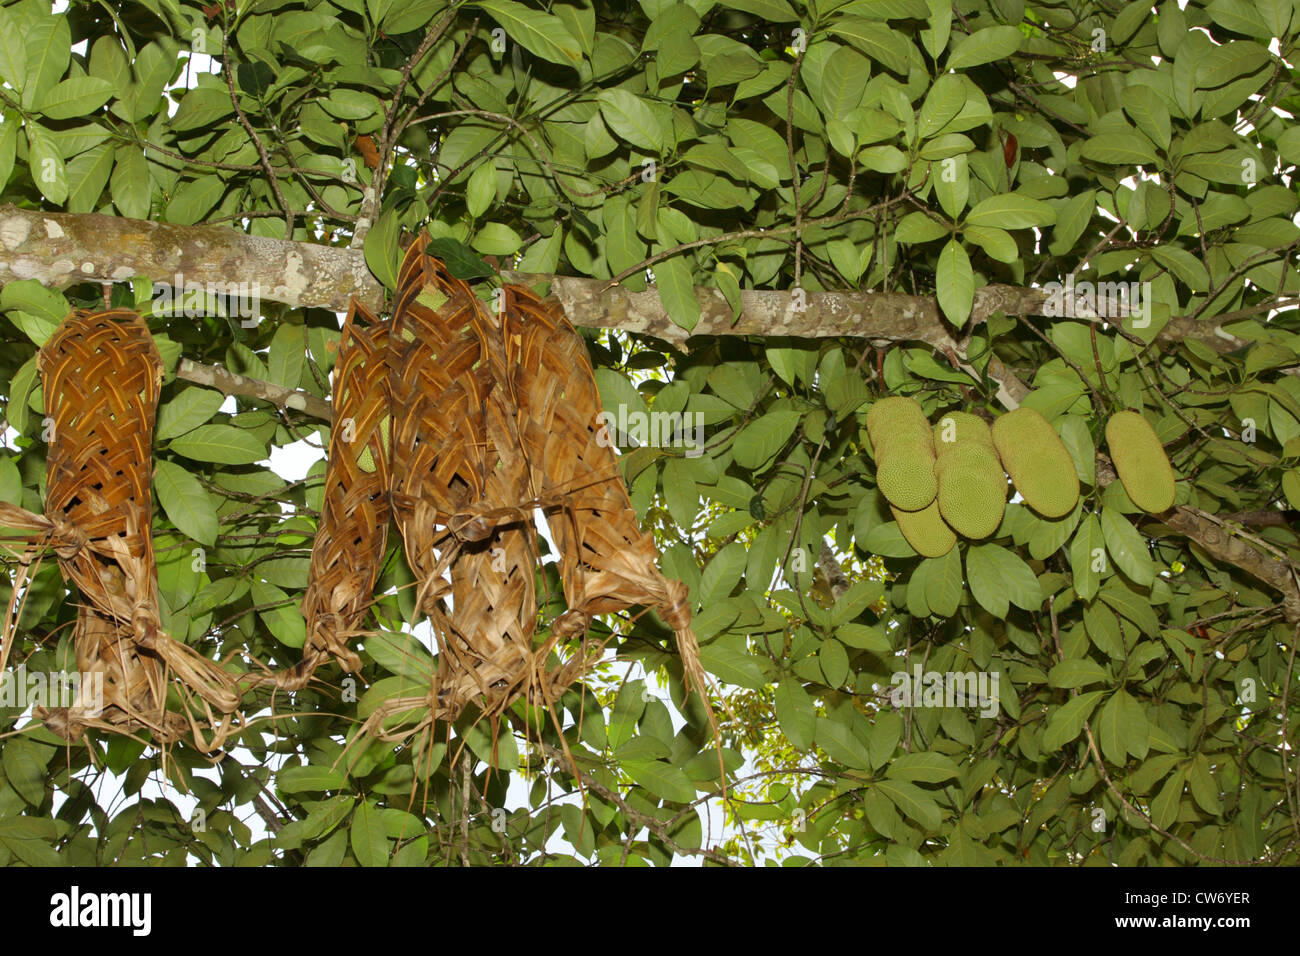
(60, 249)
(213, 376)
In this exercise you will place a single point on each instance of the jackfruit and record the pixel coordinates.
(1037, 461)
(366, 460)
(925, 530)
(1140, 461)
(900, 437)
(972, 493)
(958, 427)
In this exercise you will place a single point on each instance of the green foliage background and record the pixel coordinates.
(1147, 710)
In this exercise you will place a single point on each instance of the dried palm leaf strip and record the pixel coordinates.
(101, 374)
(452, 456)
(607, 562)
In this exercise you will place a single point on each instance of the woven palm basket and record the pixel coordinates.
(102, 373)
(456, 456)
(355, 512)
(495, 412)
(608, 563)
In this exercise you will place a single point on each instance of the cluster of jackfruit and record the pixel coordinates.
(1140, 461)
(952, 480)
(949, 479)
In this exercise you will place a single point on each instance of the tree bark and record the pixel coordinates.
(60, 249)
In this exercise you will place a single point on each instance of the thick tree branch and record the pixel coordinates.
(58, 249)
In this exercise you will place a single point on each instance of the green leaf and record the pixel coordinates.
(1185, 266)
(943, 581)
(481, 190)
(773, 11)
(1133, 606)
(1120, 149)
(539, 33)
(222, 444)
(25, 768)
(794, 711)
(194, 200)
(11, 482)
(733, 666)
(288, 355)
(185, 502)
(677, 291)
(998, 576)
(998, 243)
(1127, 547)
(1078, 442)
(1076, 672)
(914, 802)
(1110, 736)
(927, 767)
(187, 411)
(662, 779)
(279, 613)
(131, 186)
(343, 103)
(49, 47)
(1087, 552)
(154, 67)
(1164, 808)
(1011, 211)
(87, 176)
(917, 227)
(460, 259)
(20, 389)
(876, 40)
(13, 50)
(28, 295)
(496, 239)
(382, 251)
(629, 117)
(955, 283)
(75, 96)
(760, 440)
(309, 779)
(207, 106)
(722, 573)
(985, 46)
(1133, 725)
(369, 844)
(1220, 64)
(841, 744)
(9, 126)
(1071, 220)
(1147, 109)
(1065, 723)
(46, 164)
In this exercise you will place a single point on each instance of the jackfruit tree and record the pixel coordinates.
(951, 352)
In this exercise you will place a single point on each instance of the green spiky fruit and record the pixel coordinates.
(1037, 461)
(900, 438)
(925, 530)
(956, 427)
(972, 493)
(1141, 462)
